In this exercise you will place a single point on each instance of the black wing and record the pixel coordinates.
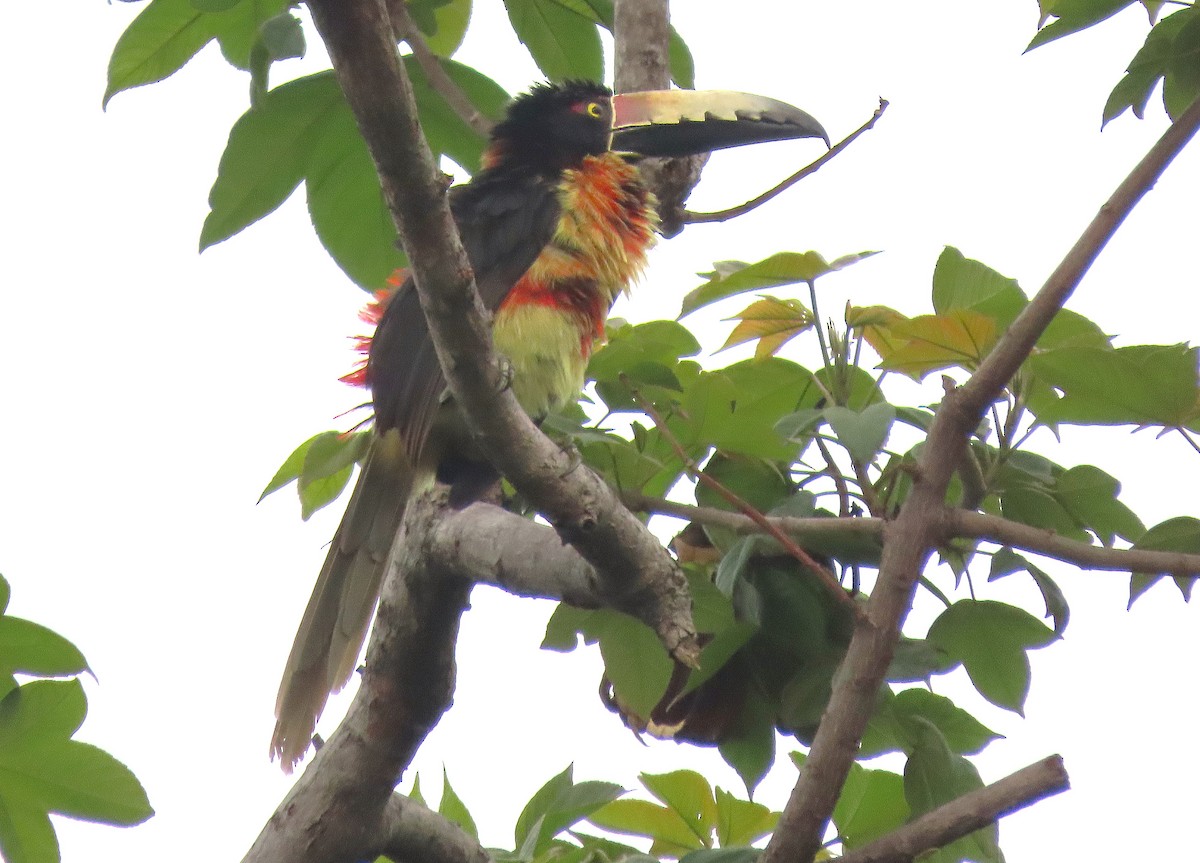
(505, 220)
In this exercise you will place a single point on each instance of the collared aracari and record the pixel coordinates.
(556, 225)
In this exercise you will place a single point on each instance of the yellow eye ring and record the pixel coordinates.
(594, 110)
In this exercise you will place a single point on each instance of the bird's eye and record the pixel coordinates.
(594, 110)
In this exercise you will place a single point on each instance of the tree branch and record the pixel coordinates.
(414, 833)
(336, 809)
(909, 540)
(641, 35)
(966, 814)
(490, 545)
(956, 523)
(741, 209)
(407, 30)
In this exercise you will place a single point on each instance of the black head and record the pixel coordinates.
(553, 126)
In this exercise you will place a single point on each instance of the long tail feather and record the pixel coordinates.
(338, 615)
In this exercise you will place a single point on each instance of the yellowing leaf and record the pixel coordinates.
(772, 321)
(918, 346)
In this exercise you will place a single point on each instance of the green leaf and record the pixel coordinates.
(542, 802)
(783, 268)
(1090, 496)
(1075, 15)
(283, 37)
(322, 492)
(454, 810)
(26, 835)
(303, 130)
(291, 468)
(962, 283)
(935, 776)
(331, 452)
(30, 648)
(749, 745)
(563, 42)
(871, 805)
(863, 433)
(443, 22)
(689, 795)
(991, 639)
(1006, 562)
(42, 770)
(168, 33)
(1175, 534)
(642, 818)
(758, 482)
(742, 822)
(722, 855)
(1137, 385)
(899, 720)
(1148, 66)
(634, 661)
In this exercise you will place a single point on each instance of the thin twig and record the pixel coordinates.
(407, 30)
(839, 481)
(692, 218)
(827, 578)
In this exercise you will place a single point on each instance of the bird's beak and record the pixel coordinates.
(683, 122)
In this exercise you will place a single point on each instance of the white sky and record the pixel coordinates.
(149, 393)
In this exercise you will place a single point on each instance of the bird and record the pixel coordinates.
(556, 225)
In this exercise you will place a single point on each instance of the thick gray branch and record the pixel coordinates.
(489, 545)
(909, 540)
(414, 834)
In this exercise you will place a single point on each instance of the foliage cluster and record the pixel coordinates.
(42, 770)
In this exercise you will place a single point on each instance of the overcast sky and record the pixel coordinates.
(147, 394)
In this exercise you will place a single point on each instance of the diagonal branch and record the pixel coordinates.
(967, 814)
(910, 539)
(406, 29)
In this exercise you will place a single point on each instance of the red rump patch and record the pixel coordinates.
(372, 314)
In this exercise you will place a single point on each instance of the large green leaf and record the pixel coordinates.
(899, 720)
(1136, 385)
(443, 22)
(688, 794)
(742, 822)
(871, 805)
(731, 278)
(933, 776)
(557, 805)
(561, 36)
(1175, 534)
(30, 648)
(42, 771)
(168, 33)
(991, 639)
(1071, 16)
(1151, 63)
(304, 131)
